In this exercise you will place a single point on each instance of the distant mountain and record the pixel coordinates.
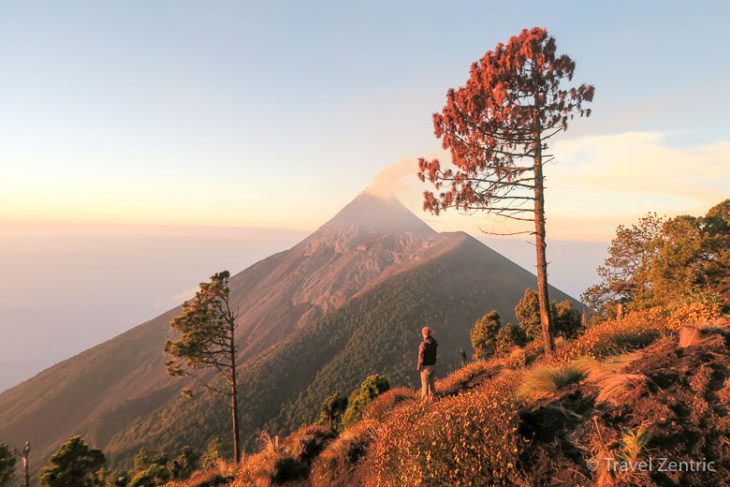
(345, 302)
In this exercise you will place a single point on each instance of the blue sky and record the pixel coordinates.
(222, 112)
(145, 144)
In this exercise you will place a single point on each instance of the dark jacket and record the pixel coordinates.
(427, 352)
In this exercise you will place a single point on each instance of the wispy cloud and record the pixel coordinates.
(599, 182)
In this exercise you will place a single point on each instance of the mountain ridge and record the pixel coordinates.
(106, 390)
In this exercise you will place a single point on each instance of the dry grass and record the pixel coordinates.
(615, 386)
(455, 381)
(223, 473)
(383, 405)
(545, 380)
(283, 461)
(467, 439)
(615, 337)
(341, 455)
(689, 337)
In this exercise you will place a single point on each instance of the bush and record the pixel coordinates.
(332, 409)
(306, 443)
(698, 310)
(509, 337)
(74, 464)
(637, 330)
(517, 359)
(359, 400)
(383, 405)
(470, 439)
(341, 455)
(484, 334)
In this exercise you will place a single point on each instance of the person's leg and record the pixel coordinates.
(432, 383)
(424, 384)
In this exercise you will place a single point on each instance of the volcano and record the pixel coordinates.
(347, 301)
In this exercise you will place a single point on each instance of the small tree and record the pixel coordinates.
(484, 334)
(213, 453)
(658, 261)
(527, 312)
(624, 272)
(373, 386)
(566, 319)
(207, 326)
(7, 465)
(185, 463)
(332, 409)
(508, 337)
(149, 469)
(511, 105)
(73, 465)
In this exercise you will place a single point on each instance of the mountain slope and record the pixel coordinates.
(318, 298)
(378, 331)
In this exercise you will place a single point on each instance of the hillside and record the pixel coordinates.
(377, 332)
(350, 296)
(640, 401)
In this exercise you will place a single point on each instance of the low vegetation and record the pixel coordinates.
(652, 381)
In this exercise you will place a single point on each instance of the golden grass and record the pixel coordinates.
(467, 439)
(455, 381)
(545, 380)
(615, 337)
(615, 386)
(689, 337)
(383, 405)
(341, 455)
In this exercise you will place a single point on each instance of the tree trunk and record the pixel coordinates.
(542, 282)
(234, 401)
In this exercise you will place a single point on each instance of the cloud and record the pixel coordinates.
(637, 171)
(600, 182)
(389, 180)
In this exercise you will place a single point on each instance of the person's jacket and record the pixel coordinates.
(427, 352)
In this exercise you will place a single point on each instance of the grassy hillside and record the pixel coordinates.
(654, 385)
(377, 332)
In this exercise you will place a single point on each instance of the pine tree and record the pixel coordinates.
(207, 327)
(511, 105)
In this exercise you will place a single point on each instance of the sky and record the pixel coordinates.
(143, 145)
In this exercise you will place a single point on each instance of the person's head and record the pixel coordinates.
(426, 331)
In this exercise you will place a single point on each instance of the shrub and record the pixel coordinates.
(359, 400)
(697, 311)
(342, 454)
(382, 405)
(637, 330)
(274, 464)
(567, 320)
(73, 464)
(332, 409)
(544, 380)
(517, 359)
(306, 443)
(484, 334)
(470, 439)
(213, 453)
(509, 337)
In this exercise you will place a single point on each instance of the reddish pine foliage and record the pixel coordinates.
(511, 104)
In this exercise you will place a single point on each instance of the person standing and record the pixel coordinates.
(426, 364)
